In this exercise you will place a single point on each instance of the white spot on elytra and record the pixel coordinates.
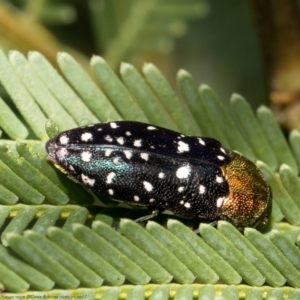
(62, 153)
(220, 157)
(219, 179)
(127, 153)
(137, 143)
(108, 138)
(181, 202)
(223, 150)
(111, 191)
(64, 140)
(110, 177)
(151, 128)
(136, 198)
(201, 189)
(183, 172)
(148, 186)
(161, 175)
(116, 160)
(87, 180)
(86, 156)
(120, 140)
(71, 168)
(201, 141)
(113, 125)
(220, 201)
(187, 205)
(181, 189)
(145, 156)
(152, 147)
(87, 136)
(108, 152)
(99, 129)
(128, 133)
(151, 200)
(183, 147)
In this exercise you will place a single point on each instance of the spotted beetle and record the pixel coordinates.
(164, 170)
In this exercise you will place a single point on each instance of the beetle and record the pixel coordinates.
(164, 170)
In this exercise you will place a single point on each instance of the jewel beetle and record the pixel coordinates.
(164, 170)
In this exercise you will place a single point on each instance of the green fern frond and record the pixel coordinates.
(84, 255)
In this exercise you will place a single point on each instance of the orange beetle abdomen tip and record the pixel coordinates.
(249, 201)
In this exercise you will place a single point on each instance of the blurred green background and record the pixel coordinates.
(214, 40)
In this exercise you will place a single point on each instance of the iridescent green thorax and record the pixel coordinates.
(249, 201)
